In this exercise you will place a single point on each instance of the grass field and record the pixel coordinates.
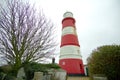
(78, 78)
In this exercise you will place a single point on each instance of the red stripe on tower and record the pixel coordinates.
(69, 39)
(68, 22)
(70, 57)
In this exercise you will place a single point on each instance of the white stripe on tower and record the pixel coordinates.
(68, 30)
(70, 51)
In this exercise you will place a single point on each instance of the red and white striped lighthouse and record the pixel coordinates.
(70, 57)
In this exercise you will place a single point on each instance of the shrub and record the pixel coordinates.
(5, 68)
(9, 77)
(105, 60)
(54, 66)
(1, 75)
(30, 68)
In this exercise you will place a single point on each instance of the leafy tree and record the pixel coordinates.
(105, 60)
(25, 34)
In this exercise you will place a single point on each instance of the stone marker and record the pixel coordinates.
(58, 74)
(38, 76)
(61, 74)
(47, 77)
(21, 74)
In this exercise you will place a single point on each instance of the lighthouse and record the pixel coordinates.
(70, 58)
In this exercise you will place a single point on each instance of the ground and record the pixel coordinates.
(78, 78)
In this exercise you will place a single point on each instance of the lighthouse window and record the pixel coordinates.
(80, 66)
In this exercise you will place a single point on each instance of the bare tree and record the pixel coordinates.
(25, 35)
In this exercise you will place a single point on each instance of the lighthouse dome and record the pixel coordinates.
(68, 14)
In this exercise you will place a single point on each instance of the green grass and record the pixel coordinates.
(84, 78)
(78, 78)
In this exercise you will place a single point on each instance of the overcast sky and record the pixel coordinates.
(97, 21)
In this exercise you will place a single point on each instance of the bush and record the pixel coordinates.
(105, 60)
(5, 68)
(4, 76)
(1, 75)
(9, 77)
(1, 70)
(6, 72)
(30, 68)
(54, 66)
